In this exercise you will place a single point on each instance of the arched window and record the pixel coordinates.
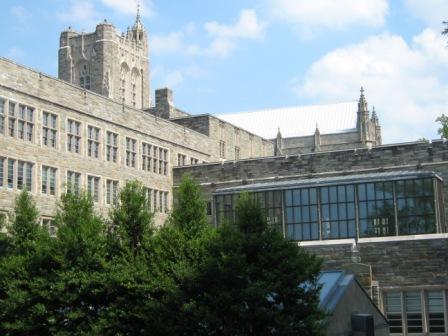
(84, 76)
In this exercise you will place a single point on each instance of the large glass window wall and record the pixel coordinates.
(348, 210)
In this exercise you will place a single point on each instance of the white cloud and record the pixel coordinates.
(405, 82)
(20, 13)
(80, 12)
(431, 12)
(225, 37)
(171, 42)
(311, 14)
(130, 6)
(15, 54)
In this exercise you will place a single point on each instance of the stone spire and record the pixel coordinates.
(278, 144)
(137, 32)
(316, 139)
(362, 103)
(374, 116)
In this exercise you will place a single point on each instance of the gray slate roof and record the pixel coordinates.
(298, 120)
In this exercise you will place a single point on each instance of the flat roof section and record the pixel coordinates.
(327, 181)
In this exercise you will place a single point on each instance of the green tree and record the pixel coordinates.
(443, 130)
(254, 282)
(132, 219)
(25, 226)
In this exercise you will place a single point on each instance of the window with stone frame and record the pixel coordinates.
(2, 171)
(50, 225)
(11, 173)
(73, 182)
(416, 312)
(25, 123)
(73, 136)
(155, 159)
(165, 202)
(49, 129)
(146, 156)
(111, 192)
(194, 161)
(93, 142)
(148, 194)
(2, 115)
(93, 187)
(165, 162)
(155, 205)
(84, 77)
(131, 152)
(237, 153)
(181, 160)
(12, 119)
(222, 149)
(111, 146)
(25, 175)
(48, 180)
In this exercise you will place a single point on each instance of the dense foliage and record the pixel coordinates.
(121, 276)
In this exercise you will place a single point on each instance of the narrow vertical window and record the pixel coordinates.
(393, 310)
(222, 149)
(160, 161)
(73, 136)
(131, 152)
(165, 201)
(20, 175)
(146, 157)
(165, 162)
(49, 129)
(414, 316)
(111, 192)
(2, 116)
(93, 185)
(11, 173)
(111, 147)
(154, 159)
(155, 192)
(48, 180)
(436, 312)
(2, 162)
(237, 153)
(73, 182)
(93, 142)
(12, 119)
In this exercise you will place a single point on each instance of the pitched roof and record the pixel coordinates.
(297, 121)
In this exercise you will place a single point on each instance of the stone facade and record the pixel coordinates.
(402, 265)
(367, 134)
(109, 64)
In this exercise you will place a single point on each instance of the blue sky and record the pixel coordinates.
(240, 55)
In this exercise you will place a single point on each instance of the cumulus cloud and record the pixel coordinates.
(431, 12)
(130, 6)
(404, 81)
(310, 15)
(225, 37)
(80, 12)
(170, 42)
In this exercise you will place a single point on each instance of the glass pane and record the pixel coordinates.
(362, 192)
(341, 194)
(350, 192)
(304, 196)
(288, 197)
(324, 195)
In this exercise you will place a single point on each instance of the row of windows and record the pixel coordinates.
(20, 123)
(222, 151)
(416, 312)
(157, 200)
(347, 211)
(17, 174)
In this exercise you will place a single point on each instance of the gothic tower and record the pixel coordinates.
(113, 65)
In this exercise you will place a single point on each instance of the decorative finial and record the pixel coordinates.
(138, 11)
(317, 126)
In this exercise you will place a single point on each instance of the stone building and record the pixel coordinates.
(94, 127)
(315, 128)
(377, 212)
